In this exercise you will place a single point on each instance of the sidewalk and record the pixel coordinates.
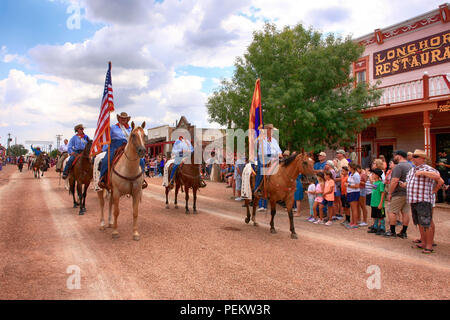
(443, 205)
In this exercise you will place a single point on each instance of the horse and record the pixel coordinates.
(39, 164)
(281, 187)
(81, 174)
(188, 176)
(126, 178)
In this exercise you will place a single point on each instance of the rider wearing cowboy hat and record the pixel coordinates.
(268, 150)
(119, 136)
(76, 146)
(37, 151)
(182, 148)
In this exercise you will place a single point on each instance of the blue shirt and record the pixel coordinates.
(36, 152)
(182, 146)
(117, 133)
(319, 165)
(77, 144)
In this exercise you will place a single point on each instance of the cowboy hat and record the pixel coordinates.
(323, 154)
(123, 115)
(78, 126)
(341, 151)
(420, 153)
(286, 153)
(268, 126)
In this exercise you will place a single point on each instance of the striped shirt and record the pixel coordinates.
(420, 188)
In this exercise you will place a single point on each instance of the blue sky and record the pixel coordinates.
(168, 56)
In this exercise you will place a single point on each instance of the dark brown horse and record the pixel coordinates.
(81, 174)
(40, 165)
(281, 187)
(187, 176)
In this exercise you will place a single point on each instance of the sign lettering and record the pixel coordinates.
(414, 55)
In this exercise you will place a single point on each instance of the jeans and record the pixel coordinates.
(69, 162)
(311, 204)
(115, 144)
(263, 203)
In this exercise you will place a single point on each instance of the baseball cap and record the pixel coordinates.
(340, 151)
(378, 172)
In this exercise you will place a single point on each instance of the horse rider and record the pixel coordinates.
(120, 133)
(37, 151)
(182, 149)
(268, 152)
(63, 154)
(75, 147)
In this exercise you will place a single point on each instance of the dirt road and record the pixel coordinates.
(45, 244)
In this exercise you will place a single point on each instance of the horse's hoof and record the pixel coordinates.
(176, 207)
(110, 225)
(75, 206)
(115, 235)
(136, 237)
(247, 220)
(255, 224)
(167, 206)
(102, 228)
(273, 231)
(187, 211)
(81, 213)
(294, 236)
(195, 211)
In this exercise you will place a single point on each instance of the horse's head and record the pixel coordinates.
(137, 138)
(305, 164)
(87, 148)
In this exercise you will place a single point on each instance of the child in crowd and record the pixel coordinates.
(311, 198)
(377, 202)
(345, 204)
(318, 202)
(328, 195)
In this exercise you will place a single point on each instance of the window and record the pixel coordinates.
(361, 76)
(360, 70)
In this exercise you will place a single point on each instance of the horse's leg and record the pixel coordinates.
(273, 211)
(80, 196)
(86, 186)
(177, 188)
(289, 205)
(194, 192)
(255, 203)
(72, 190)
(136, 200)
(110, 211)
(167, 198)
(186, 191)
(115, 199)
(247, 219)
(101, 201)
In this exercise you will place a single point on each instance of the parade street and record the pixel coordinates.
(46, 245)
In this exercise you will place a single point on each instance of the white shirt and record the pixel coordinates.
(270, 147)
(311, 188)
(63, 148)
(182, 145)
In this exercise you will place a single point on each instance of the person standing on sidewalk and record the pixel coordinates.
(397, 196)
(422, 183)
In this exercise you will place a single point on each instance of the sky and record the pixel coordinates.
(167, 55)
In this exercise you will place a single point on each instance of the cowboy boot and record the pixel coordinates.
(144, 184)
(202, 183)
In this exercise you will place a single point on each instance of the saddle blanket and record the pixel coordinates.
(166, 172)
(97, 161)
(246, 189)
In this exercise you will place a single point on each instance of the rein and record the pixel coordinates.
(127, 178)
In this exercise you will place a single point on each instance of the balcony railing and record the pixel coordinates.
(420, 89)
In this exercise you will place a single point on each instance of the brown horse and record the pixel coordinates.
(281, 187)
(187, 176)
(126, 178)
(81, 174)
(40, 165)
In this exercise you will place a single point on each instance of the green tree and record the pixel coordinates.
(306, 86)
(17, 150)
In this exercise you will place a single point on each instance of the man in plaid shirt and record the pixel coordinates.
(422, 182)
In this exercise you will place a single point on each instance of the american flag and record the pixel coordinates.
(102, 134)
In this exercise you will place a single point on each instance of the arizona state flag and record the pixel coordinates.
(255, 120)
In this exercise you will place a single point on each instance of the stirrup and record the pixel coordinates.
(202, 184)
(64, 176)
(144, 184)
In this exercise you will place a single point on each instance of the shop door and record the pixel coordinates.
(386, 151)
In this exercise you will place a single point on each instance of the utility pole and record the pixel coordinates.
(9, 140)
(58, 140)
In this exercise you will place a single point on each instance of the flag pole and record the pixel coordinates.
(108, 178)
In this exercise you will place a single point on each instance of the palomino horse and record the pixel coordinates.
(281, 186)
(81, 174)
(126, 178)
(188, 176)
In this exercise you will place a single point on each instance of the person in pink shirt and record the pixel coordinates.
(328, 195)
(319, 198)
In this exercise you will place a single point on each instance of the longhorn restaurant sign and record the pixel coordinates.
(413, 55)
